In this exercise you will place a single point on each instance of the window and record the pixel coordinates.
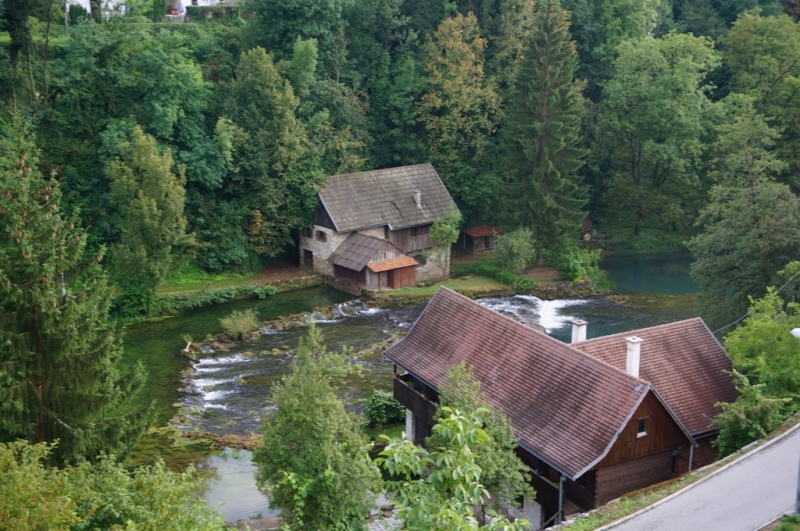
(641, 427)
(421, 260)
(322, 236)
(419, 231)
(307, 232)
(487, 242)
(583, 481)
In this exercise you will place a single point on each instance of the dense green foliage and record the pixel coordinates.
(516, 250)
(102, 496)
(752, 416)
(533, 113)
(502, 472)
(58, 379)
(436, 489)
(313, 457)
(381, 409)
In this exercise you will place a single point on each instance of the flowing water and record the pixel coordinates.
(227, 392)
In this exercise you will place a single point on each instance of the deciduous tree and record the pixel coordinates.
(313, 457)
(651, 126)
(750, 232)
(502, 472)
(57, 349)
(150, 199)
(439, 487)
(460, 112)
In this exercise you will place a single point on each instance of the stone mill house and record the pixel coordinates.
(371, 229)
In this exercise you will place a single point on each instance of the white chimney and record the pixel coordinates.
(418, 198)
(634, 355)
(579, 330)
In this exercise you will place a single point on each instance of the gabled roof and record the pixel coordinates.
(385, 197)
(356, 251)
(566, 407)
(683, 361)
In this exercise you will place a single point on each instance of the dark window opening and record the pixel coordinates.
(321, 236)
(487, 242)
(583, 482)
(421, 260)
(641, 427)
(419, 231)
(307, 232)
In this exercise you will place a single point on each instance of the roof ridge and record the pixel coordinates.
(630, 332)
(569, 347)
(380, 170)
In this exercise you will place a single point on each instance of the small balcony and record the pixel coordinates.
(416, 397)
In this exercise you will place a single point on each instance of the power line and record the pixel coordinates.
(748, 313)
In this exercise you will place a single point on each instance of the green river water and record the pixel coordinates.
(228, 392)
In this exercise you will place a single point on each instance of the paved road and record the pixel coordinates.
(742, 497)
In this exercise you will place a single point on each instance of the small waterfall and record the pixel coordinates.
(533, 311)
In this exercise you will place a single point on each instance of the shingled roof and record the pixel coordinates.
(684, 362)
(356, 251)
(566, 407)
(385, 197)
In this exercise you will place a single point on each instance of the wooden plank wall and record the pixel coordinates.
(322, 218)
(662, 434)
(404, 277)
(387, 252)
(403, 239)
(614, 481)
(358, 278)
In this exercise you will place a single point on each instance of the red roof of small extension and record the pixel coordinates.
(483, 230)
(684, 362)
(566, 407)
(394, 263)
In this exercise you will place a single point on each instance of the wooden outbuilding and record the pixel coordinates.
(589, 424)
(373, 263)
(481, 238)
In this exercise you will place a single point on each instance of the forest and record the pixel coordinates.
(661, 119)
(133, 149)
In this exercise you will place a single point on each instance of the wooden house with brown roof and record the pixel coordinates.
(589, 430)
(371, 229)
(481, 238)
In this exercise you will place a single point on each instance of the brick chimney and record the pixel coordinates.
(579, 330)
(634, 355)
(418, 198)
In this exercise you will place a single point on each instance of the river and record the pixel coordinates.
(228, 392)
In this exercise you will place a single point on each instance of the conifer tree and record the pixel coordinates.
(150, 199)
(542, 137)
(57, 350)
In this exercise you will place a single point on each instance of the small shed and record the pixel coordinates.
(481, 238)
(373, 263)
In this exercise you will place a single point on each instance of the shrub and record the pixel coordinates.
(239, 323)
(516, 249)
(573, 263)
(525, 284)
(381, 409)
(265, 291)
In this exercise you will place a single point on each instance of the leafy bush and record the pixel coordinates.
(381, 409)
(750, 418)
(265, 291)
(239, 323)
(525, 284)
(105, 495)
(573, 262)
(489, 269)
(516, 249)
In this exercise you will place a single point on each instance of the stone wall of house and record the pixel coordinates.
(431, 271)
(322, 250)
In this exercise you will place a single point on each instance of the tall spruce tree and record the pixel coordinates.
(57, 350)
(542, 137)
(150, 199)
